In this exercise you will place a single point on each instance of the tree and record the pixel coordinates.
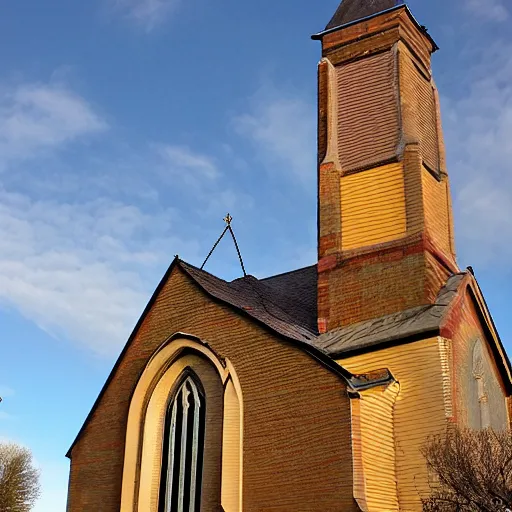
(472, 471)
(19, 480)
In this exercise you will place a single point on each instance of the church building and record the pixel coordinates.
(314, 390)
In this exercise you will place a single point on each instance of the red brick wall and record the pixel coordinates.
(297, 451)
(465, 329)
(378, 283)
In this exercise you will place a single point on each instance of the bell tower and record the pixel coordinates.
(385, 219)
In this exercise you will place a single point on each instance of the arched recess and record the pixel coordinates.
(487, 406)
(222, 469)
(481, 391)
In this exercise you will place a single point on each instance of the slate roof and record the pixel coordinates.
(353, 10)
(287, 304)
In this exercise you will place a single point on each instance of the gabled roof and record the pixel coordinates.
(353, 10)
(285, 304)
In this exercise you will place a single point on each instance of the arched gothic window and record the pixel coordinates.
(182, 461)
(183, 447)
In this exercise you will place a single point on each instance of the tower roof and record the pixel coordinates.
(353, 10)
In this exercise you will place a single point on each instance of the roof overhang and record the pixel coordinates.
(421, 28)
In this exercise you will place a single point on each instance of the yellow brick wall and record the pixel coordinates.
(373, 206)
(296, 419)
(420, 411)
(374, 446)
(436, 204)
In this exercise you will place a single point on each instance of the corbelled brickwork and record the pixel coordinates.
(385, 221)
(297, 452)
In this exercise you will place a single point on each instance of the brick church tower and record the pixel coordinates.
(385, 220)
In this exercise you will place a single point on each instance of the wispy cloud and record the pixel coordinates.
(38, 117)
(478, 128)
(281, 125)
(492, 10)
(6, 391)
(80, 252)
(182, 160)
(83, 269)
(75, 269)
(148, 14)
(80, 265)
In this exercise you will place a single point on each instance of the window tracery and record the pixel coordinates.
(181, 478)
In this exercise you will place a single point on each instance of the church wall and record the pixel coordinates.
(473, 360)
(297, 448)
(420, 410)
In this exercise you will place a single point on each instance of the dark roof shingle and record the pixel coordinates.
(353, 10)
(276, 302)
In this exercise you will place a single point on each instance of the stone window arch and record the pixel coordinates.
(184, 360)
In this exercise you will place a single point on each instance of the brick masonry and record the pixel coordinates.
(371, 281)
(297, 452)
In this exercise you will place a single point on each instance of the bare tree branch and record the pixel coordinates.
(474, 470)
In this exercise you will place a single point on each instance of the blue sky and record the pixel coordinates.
(128, 128)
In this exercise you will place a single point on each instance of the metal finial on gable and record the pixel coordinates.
(227, 219)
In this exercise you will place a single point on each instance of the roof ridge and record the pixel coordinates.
(186, 263)
(288, 273)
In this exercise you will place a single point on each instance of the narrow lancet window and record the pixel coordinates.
(182, 460)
